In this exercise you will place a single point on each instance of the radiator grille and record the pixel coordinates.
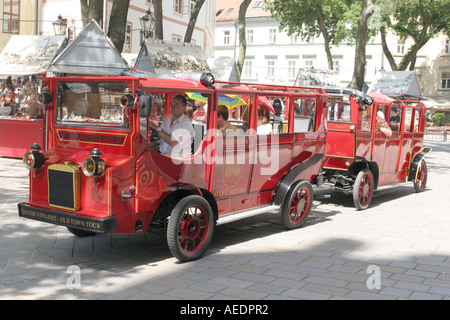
(64, 186)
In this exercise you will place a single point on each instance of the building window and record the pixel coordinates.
(270, 68)
(178, 6)
(336, 65)
(291, 69)
(226, 37)
(293, 38)
(249, 36)
(445, 80)
(11, 13)
(248, 69)
(272, 35)
(258, 4)
(401, 47)
(228, 12)
(447, 46)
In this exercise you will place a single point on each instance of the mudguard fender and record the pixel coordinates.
(416, 163)
(292, 176)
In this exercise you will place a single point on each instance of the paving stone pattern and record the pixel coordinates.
(400, 243)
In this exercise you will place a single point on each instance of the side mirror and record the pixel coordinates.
(145, 106)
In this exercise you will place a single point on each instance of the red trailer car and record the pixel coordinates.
(104, 172)
(373, 140)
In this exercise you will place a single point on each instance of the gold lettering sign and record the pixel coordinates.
(54, 218)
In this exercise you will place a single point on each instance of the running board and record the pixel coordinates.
(246, 214)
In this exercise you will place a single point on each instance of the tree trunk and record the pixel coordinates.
(242, 38)
(326, 39)
(93, 10)
(386, 50)
(116, 30)
(360, 49)
(157, 5)
(193, 20)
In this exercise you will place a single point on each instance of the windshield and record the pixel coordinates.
(91, 104)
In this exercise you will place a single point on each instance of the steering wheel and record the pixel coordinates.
(155, 134)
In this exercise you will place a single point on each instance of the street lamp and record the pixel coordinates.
(59, 26)
(147, 24)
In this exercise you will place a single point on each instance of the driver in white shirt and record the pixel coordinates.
(176, 132)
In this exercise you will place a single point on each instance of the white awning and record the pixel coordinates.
(29, 55)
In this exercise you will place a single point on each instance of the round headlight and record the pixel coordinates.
(88, 167)
(28, 160)
(93, 165)
(33, 159)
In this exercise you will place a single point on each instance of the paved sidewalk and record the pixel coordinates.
(399, 248)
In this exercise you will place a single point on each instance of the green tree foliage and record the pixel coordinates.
(419, 20)
(332, 19)
(440, 119)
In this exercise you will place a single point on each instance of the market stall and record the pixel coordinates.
(23, 62)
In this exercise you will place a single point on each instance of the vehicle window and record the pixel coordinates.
(271, 115)
(304, 114)
(416, 120)
(338, 111)
(366, 118)
(381, 122)
(197, 112)
(408, 119)
(395, 113)
(91, 104)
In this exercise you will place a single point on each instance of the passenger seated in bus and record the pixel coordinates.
(189, 113)
(382, 125)
(394, 119)
(200, 110)
(223, 125)
(176, 132)
(278, 107)
(262, 122)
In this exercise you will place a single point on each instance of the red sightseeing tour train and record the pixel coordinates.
(128, 153)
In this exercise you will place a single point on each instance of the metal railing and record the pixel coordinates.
(439, 134)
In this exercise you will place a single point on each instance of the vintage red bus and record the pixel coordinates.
(373, 140)
(105, 174)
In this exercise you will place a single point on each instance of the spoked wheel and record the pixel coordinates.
(363, 189)
(298, 205)
(190, 228)
(421, 180)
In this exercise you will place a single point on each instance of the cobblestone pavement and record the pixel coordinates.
(399, 248)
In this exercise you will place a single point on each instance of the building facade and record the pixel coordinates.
(36, 17)
(19, 17)
(272, 56)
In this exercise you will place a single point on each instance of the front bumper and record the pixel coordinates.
(100, 225)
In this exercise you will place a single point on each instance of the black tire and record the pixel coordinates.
(363, 189)
(81, 233)
(422, 174)
(190, 228)
(297, 206)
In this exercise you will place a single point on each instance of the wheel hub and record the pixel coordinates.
(301, 205)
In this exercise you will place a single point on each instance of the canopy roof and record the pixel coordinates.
(397, 84)
(28, 55)
(163, 57)
(90, 53)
